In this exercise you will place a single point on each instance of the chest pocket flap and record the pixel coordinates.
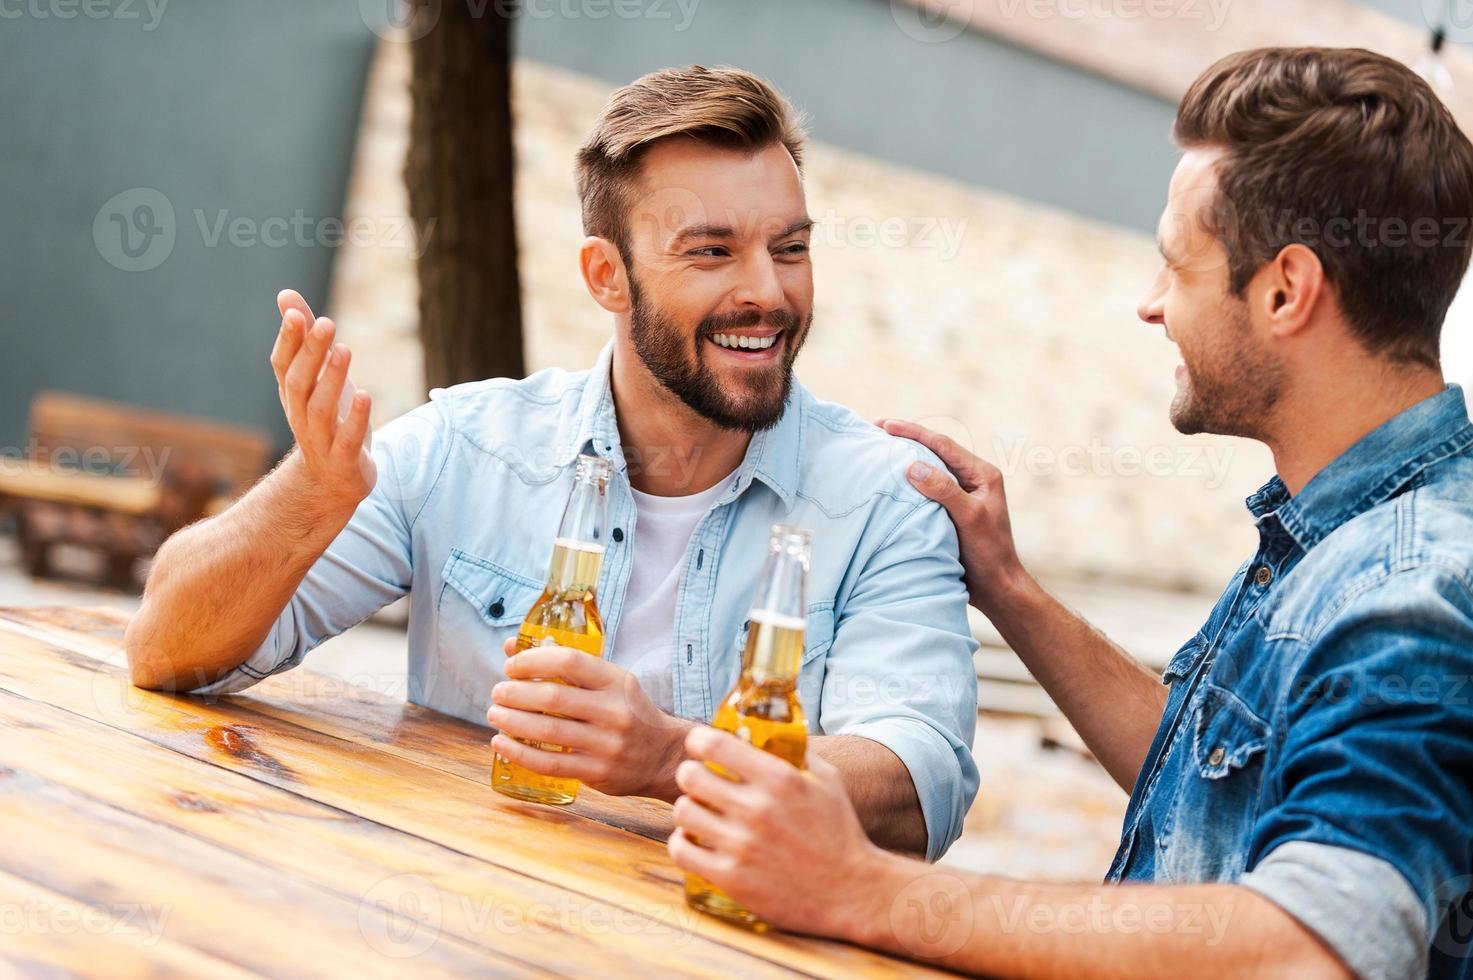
(818, 633)
(1228, 734)
(1185, 659)
(500, 596)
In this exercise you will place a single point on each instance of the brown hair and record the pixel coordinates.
(1352, 155)
(726, 107)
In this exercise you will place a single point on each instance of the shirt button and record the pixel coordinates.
(1215, 759)
(618, 535)
(1265, 575)
(497, 608)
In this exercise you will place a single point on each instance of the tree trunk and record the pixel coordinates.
(459, 171)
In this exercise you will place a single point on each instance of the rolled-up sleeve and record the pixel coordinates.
(369, 564)
(900, 671)
(1369, 843)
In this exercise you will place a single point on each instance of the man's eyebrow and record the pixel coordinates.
(802, 224)
(702, 231)
(725, 231)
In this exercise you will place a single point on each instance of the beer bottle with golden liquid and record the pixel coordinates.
(763, 708)
(566, 615)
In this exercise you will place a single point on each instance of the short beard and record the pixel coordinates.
(1233, 387)
(661, 345)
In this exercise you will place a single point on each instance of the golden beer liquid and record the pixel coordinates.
(566, 615)
(762, 709)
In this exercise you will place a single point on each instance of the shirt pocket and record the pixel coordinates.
(499, 596)
(1219, 789)
(818, 634)
(818, 638)
(481, 604)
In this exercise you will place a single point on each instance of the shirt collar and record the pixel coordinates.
(1370, 472)
(772, 456)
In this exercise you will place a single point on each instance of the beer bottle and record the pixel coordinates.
(763, 708)
(566, 615)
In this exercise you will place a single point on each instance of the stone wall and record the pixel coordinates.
(1008, 325)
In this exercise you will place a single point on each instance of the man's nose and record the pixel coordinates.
(1152, 306)
(760, 286)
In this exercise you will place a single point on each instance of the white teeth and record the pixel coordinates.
(735, 342)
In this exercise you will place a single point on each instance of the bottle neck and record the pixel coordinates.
(578, 552)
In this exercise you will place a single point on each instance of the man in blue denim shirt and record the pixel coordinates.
(1302, 786)
(698, 248)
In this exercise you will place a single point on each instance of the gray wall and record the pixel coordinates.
(243, 108)
(966, 107)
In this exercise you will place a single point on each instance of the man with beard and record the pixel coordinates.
(1302, 776)
(698, 245)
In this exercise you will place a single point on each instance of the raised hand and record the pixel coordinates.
(328, 418)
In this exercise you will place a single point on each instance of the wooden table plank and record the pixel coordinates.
(89, 851)
(440, 889)
(442, 799)
(59, 936)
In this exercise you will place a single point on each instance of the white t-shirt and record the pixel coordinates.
(646, 640)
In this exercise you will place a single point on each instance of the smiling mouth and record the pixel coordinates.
(748, 346)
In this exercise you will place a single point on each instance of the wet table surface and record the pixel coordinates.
(310, 827)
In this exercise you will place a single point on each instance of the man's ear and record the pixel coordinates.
(604, 274)
(1289, 290)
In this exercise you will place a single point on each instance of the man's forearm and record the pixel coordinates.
(217, 586)
(996, 927)
(880, 787)
(1111, 700)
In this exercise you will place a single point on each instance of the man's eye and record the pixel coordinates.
(796, 248)
(709, 252)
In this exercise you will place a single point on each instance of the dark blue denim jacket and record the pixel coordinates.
(1328, 700)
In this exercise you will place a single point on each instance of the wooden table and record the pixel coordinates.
(313, 828)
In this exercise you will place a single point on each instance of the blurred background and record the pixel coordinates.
(986, 175)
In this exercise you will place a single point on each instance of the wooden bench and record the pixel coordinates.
(117, 479)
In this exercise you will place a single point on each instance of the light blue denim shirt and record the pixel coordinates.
(470, 490)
